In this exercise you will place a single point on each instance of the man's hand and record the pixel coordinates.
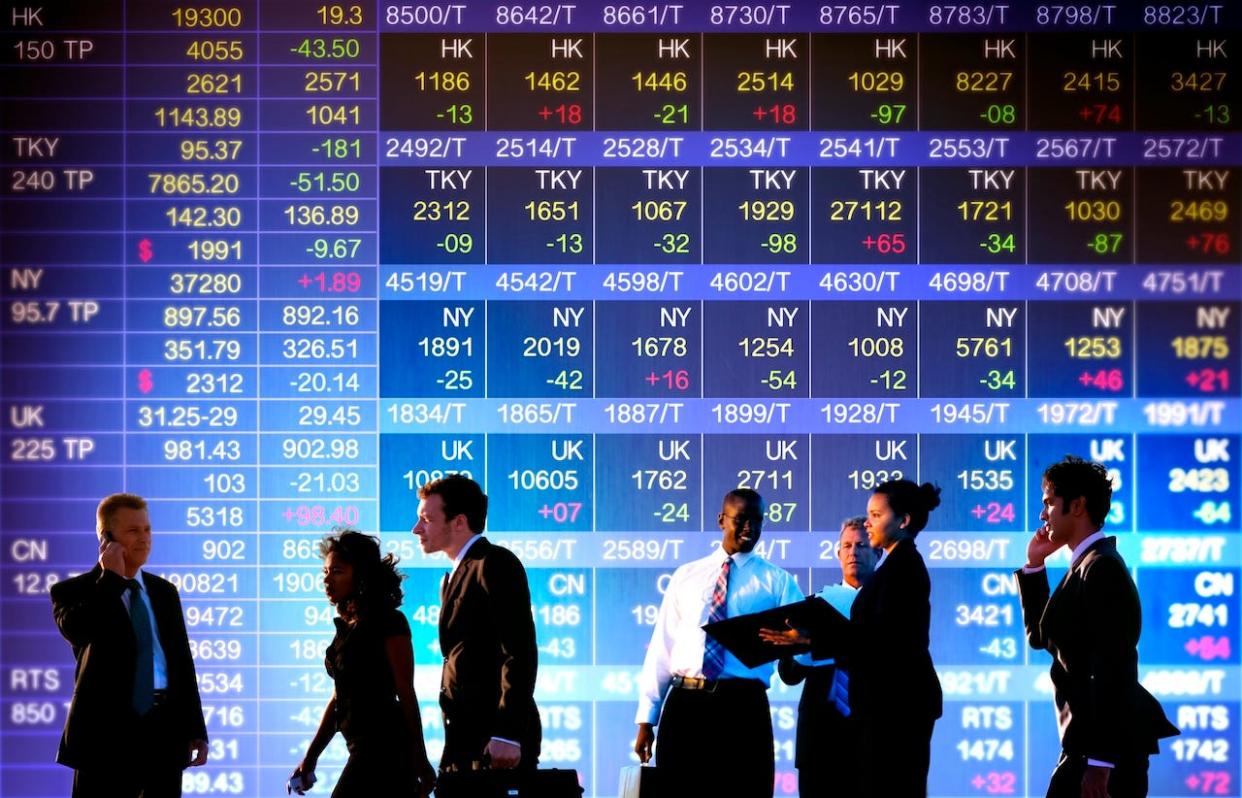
(112, 557)
(504, 756)
(789, 636)
(1040, 548)
(643, 742)
(1095, 782)
(198, 753)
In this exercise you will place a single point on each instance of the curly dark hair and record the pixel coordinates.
(1073, 476)
(377, 582)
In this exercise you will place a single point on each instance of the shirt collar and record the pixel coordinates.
(1082, 547)
(138, 577)
(740, 559)
(461, 555)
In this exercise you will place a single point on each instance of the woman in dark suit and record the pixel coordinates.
(371, 663)
(894, 694)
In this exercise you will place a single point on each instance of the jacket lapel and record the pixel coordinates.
(1069, 586)
(456, 582)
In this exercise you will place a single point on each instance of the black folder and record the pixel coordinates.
(740, 635)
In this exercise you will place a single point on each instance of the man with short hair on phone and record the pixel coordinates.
(134, 684)
(1090, 624)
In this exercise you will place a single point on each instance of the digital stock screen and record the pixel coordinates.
(273, 265)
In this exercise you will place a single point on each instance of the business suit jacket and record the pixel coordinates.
(90, 614)
(892, 679)
(1090, 624)
(487, 637)
(822, 729)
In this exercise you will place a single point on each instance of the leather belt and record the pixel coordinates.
(716, 685)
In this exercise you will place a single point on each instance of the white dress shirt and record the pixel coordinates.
(677, 642)
(161, 664)
(841, 596)
(461, 555)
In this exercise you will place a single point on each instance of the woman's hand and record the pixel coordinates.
(789, 636)
(426, 776)
(303, 776)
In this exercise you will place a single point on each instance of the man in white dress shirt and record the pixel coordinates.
(823, 713)
(715, 730)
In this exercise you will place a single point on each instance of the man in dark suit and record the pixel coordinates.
(487, 635)
(824, 725)
(134, 686)
(1090, 624)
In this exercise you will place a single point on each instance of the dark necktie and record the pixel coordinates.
(144, 664)
(713, 651)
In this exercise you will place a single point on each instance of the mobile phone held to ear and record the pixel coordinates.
(108, 536)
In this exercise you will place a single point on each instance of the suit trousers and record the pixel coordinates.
(717, 742)
(821, 774)
(144, 765)
(378, 767)
(1127, 780)
(897, 756)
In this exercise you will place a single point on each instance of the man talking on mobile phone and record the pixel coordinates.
(1109, 724)
(135, 721)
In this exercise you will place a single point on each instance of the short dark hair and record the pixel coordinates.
(377, 582)
(907, 498)
(105, 513)
(1073, 477)
(461, 496)
(745, 494)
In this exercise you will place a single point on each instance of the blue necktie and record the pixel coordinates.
(713, 651)
(144, 663)
(839, 694)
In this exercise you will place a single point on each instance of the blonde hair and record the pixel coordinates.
(105, 513)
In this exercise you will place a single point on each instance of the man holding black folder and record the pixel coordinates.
(715, 730)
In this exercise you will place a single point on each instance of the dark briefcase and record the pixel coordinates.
(642, 782)
(553, 783)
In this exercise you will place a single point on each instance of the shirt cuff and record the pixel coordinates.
(510, 742)
(1099, 764)
(648, 712)
(1026, 569)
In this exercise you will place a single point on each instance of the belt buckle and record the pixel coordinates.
(696, 683)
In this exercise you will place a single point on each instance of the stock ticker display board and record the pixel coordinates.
(273, 265)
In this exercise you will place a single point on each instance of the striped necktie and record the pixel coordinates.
(839, 695)
(713, 651)
(144, 662)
